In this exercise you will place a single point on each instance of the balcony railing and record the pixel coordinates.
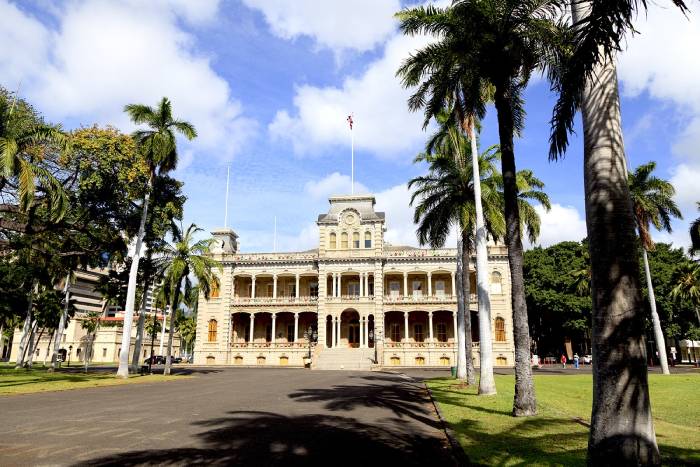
(425, 345)
(349, 298)
(270, 345)
(420, 298)
(306, 300)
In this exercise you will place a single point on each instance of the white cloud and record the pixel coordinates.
(333, 184)
(23, 45)
(337, 25)
(561, 223)
(383, 124)
(685, 179)
(107, 54)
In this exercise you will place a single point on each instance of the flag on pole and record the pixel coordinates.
(350, 121)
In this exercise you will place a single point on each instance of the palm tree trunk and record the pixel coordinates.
(26, 328)
(61, 326)
(471, 377)
(622, 429)
(48, 347)
(460, 334)
(524, 402)
(32, 344)
(658, 334)
(123, 370)
(140, 330)
(173, 307)
(487, 384)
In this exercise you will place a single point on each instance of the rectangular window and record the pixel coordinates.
(395, 332)
(268, 333)
(290, 333)
(270, 290)
(440, 288)
(313, 289)
(418, 335)
(368, 240)
(356, 240)
(417, 288)
(354, 289)
(291, 290)
(442, 332)
(394, 288)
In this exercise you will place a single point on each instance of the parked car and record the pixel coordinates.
(157, 360)
(176, 359)
(587, 359)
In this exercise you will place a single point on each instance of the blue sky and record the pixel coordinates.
(269, 84)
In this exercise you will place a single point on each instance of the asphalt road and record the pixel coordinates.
(229, 416)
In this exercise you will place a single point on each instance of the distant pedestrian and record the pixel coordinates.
(563, 361)
(576, 361)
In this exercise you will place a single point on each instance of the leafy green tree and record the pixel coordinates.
(184, 258)
(498, 44)
(445, 199)
(687, 285)
(158, 146)
(695, 235)
(652, 204)
(90, 323)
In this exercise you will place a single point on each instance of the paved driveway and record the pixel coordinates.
(242, 416)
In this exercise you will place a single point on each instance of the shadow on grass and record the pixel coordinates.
(406, 399)
(263, 438)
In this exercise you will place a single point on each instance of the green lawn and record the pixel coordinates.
(38, 379)
(558, 434)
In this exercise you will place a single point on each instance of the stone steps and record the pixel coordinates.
(344, 359)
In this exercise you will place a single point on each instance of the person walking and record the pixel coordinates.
(576, 361)
(563, 361)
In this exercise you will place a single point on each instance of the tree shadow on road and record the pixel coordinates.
(263, 438)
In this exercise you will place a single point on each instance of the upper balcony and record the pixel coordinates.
(271, 301)
(427, 299)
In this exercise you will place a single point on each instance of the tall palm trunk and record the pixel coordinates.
(460, 334)
(466, 256)
(32, 344)
(140, 329)
(524, 402)
(622, 430)
(61, 326)
(123, 370)
(27, 326)
(487, 384)
(173, 307)
(658, 334)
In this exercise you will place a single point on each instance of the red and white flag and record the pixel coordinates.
(350, 121)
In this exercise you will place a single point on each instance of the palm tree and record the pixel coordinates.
(695, 235)
(91, 323)
(445, 199)
(587, 80)
(652, 203)
(687, 280)
(159, 147)
(181, 259)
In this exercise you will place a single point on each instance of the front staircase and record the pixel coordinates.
(343, 359)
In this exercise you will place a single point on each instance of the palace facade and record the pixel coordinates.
(352, 303)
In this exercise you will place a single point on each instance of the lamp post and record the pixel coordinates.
(370, 337)
(70, 351)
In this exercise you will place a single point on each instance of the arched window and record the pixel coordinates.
(356, 239)
(344, 240)
(368, 239)
(215, 288)
(332, 243)
(212, 330)
(496, 283)
(500, 330)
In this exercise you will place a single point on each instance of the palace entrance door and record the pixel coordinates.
(354, 333)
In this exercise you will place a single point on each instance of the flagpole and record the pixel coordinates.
(274, 240)
(352, 161)
(228, 175)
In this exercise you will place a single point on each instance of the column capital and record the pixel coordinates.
(405, 313)
(430, 273)
(430, 313)
(274, 315)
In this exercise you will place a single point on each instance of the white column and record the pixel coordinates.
(333, 331)
(274, 286)
(296, 327)
(337, 334)
(362, 332)
(405, 325)
(362, 284)
(367, 284)
(430, 284)
(430, 326)
(454, 323)
(252, 327)
(454, 291)
(252, 287)
(405, 284)
(335, 285)
(297, 287)
(274, 320)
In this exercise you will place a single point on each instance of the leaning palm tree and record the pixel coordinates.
(652, 204)
(445, 199)
(695, 235)
(621, 433)
(480, 44)
(181, 259)
(158, 146)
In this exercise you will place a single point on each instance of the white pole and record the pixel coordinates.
(352, 161)
(228, 175)
(274, 238)
(162, 333)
